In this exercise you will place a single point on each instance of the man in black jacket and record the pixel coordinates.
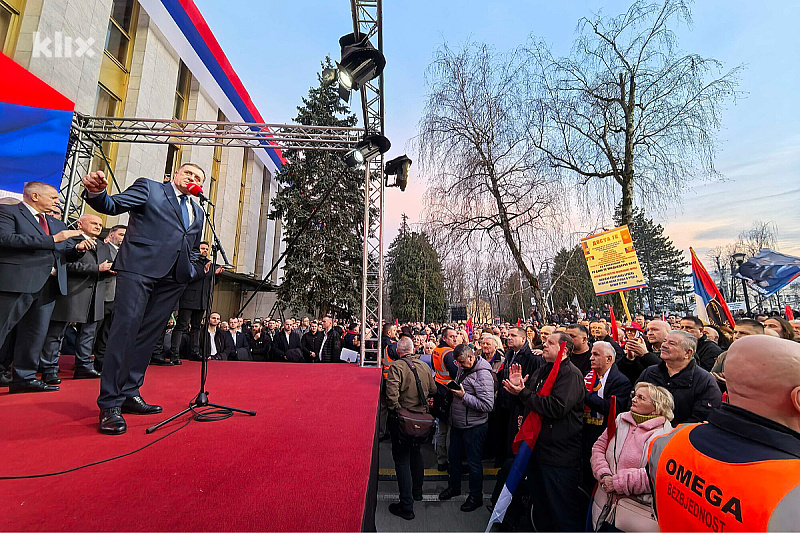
(191, 308)
(218, 343)
(311, 342)
(83, 304)
(694, 390)
(260, 342)
(554, 469)
(599, 331)
(285, 340)
(508, 407)
(34, 247)
(330, 350)
(707, 350)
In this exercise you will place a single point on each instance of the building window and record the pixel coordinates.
(118, 37)
(106, 105)
(216, 168)
(242, 192)
(10, 20)
(182, 92)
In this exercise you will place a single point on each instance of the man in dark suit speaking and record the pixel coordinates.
(156, 261)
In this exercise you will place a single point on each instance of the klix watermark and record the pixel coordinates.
(62, 46)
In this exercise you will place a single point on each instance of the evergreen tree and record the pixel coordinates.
(663, 265)
(415, 279)
(322, 272)
(571, 278)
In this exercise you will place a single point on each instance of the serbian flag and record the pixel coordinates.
(789, 313)
(711, 306)
(614, 326)
(523, 447)
(35, 122)
(469, 327)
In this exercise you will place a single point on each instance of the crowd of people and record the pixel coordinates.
(650, 377)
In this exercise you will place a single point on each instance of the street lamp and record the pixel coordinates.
(738, 257)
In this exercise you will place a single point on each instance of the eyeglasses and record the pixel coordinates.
(639, 397)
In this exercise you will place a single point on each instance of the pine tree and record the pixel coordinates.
(663, 265)
(571, 278)
(415, 279)
(322, 273)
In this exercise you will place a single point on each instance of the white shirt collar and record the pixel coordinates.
(32, 209)
(178, 193)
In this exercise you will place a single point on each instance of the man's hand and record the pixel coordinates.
(219, 270)
(635, 348)
(86, 244)
(62, 236)
(460, 392)
(515, 382)
(95, 182)
(720, 376)
(105, 266)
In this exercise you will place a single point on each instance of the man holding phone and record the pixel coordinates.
(637, 357)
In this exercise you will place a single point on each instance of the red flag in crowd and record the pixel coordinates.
(614, 327)
(529, 431)
(397, 322)
(519, 322)
(789, 313)
(611, 423)
(469, 327)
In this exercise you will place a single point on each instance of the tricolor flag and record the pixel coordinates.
(469, 327)
(523, 446)
(711, 306)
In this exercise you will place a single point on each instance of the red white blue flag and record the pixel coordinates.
(711, 306)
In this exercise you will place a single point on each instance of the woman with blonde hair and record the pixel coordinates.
(623, 500)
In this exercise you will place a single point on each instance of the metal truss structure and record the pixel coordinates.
(368, 20)
(91, 137)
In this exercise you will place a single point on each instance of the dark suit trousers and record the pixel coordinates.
(52, 345)
(7, 351)
(30, 312)
(143, 306)
(188, 318)
(101, 339)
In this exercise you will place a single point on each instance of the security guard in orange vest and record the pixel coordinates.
(444, 370)
(741, 470)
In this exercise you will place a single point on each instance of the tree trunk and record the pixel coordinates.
(629, 106)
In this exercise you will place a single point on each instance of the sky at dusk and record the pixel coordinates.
(276, 48)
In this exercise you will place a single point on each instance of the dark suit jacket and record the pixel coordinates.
(223, 342)
(105, 251)
(86, 288)
(27, 254)
(156, 239)
(197, 291)
(331, 350)
(280, 346)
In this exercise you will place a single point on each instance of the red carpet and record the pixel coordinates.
(301, 464)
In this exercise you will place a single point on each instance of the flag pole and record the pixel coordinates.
(625, 305)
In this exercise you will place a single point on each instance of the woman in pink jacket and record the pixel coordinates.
(623, 500)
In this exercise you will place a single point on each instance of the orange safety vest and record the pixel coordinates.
(387, 362)
(694, 492)
(441, 375)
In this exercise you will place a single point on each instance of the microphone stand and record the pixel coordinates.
(201, 400)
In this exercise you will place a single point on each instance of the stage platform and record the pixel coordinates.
(306, 462)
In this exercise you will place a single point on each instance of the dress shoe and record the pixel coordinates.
(51, 378)
(160, 361)
(86, 373)
(417, 496)
(111, 421)
(5, 379)
(176, 361)
(471, 504)
(31, 385)
(136, 405)
(448, 493)
(442, 467)
(397, 510)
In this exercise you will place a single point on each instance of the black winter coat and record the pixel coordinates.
(694, 390)
(559, 442)
(707, 353)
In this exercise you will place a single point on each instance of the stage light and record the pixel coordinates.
(360, 63)
(365, 150)
(329, 75)
(398, 167)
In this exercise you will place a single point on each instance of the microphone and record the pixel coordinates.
(196, 190)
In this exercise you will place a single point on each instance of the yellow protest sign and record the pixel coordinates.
(612, 261)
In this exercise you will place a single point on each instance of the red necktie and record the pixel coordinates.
(43, 224)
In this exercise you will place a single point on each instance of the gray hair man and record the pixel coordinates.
(695, 390)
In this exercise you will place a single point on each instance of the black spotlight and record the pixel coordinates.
(398, 167)
(360, 63)
(365, 150)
